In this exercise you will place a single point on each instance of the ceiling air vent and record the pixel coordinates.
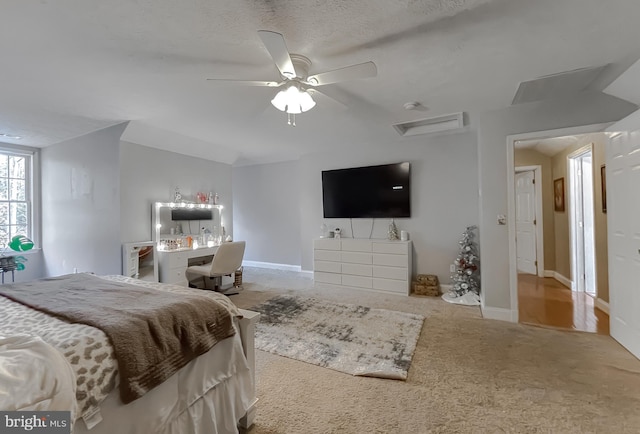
(438, 124)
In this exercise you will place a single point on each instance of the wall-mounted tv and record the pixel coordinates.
(367, 192)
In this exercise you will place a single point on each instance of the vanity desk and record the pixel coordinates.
(173, 263)
(176, 225)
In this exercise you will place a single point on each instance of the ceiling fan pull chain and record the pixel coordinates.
(291, 119)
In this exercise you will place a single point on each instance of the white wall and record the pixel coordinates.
(267, 211)
(494, 127)
(81, 204)
(444, 199)
(149, 175)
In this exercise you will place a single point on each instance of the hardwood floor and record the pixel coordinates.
(545, 301)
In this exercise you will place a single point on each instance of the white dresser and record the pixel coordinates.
(174, 263)
(378, 265)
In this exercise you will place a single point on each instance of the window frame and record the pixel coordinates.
(32, 191)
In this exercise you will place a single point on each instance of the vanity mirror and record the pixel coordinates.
(179, 225)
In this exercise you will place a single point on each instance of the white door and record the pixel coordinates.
(526, 222)
(623, 221)
(582, 221)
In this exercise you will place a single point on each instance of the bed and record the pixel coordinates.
(50, 363)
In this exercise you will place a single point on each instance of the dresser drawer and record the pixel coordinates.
(395, 273)
(327, 244)
(175, 276)
(357, 269)
(357, 257)
(175, 259)
(323, 277)
(357, 281)
(326, 266)
(390, 260)
(368, 264)
(326, 255)
(397, 247)
(354, 245)
(399, 286)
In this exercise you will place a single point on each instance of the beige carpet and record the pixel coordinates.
(468, 375)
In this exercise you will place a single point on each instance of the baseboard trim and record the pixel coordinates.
(566, 282)
(272, 265)
(560, 278)
(446, 287)
(602, 305)
(499, 313)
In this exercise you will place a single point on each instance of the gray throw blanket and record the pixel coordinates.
(154, 333)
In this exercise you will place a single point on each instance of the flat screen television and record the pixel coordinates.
(367, 192)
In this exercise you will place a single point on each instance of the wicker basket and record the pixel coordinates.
(427, 279)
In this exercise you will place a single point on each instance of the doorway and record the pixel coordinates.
(544, 296)
(582, 221)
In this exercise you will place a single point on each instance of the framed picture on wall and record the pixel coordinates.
(558, 194)
(603, 176)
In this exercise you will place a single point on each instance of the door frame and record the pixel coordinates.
(572, 218)
(537, 176)
(511, 200)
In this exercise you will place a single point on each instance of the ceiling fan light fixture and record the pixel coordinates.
(306, 102)
(280, 101)
(294, 109)
(293, 100)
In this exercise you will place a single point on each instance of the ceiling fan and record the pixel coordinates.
(296, 85)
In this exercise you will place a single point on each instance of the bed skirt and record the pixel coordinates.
(208, 396)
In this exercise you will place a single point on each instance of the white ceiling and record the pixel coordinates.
(70, 67)
(549, 147)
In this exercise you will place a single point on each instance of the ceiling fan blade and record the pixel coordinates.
(247, 82)
(361, 70)
(315, 92)
(277, 48)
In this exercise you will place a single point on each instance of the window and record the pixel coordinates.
(16, 204)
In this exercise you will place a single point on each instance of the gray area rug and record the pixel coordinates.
(348, 338)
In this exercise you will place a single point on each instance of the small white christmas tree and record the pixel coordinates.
(392, 234)
(466, 277)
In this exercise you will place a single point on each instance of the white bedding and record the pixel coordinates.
(86, 349)
(34, 376)
(89, 356)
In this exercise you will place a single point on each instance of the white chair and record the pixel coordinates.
(227, 259)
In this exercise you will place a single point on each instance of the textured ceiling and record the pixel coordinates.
(555, 145)
(549, 147)
(73, 66)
